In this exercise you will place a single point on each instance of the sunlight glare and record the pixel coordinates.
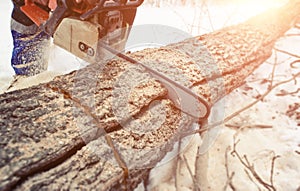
(253, 7)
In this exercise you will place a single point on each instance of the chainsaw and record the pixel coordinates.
(87, 29)
(77, 27)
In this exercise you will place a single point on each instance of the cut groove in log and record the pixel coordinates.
(42, 126)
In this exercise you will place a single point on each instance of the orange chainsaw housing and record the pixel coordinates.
(35, 13)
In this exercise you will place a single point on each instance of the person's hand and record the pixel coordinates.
(41, 2)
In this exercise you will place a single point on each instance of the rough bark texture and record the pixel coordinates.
(54, 136)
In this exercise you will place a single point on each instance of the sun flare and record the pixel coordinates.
(253, 7)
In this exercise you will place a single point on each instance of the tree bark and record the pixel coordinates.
(76, 132)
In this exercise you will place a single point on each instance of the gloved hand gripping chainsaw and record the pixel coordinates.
(87, 27)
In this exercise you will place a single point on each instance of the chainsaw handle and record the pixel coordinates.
(60, 12)
(101, 6)
(61, 9)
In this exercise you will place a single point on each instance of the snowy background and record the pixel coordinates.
(268, 129)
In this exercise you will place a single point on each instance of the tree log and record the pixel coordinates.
(77, 133)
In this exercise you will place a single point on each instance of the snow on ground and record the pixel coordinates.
(264, 131)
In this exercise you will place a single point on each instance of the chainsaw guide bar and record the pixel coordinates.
(183, 98)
